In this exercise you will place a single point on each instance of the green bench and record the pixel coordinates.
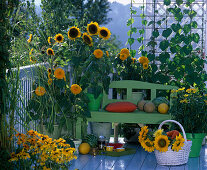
(133, 117)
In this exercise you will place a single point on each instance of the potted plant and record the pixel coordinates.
(92, 140)
(190, 109)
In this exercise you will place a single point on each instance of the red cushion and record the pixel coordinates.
(121, 107)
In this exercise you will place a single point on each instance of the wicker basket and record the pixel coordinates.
(172, 157)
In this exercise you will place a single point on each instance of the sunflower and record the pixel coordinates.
(93, 28)
(145, 66)
(49, 81)
(104, 33)
(30, 53)
(30, 38)
(125, 51)
(191, 90)
(87, 39)
(123, 57)
(74, 33)
(50, 51)
(49, 40)
(32, 59)
(40, 91)
(59, 38)
(179, 142)
(98, 53)
(59, 73)
(158, 132)
(49, 70)
(161, 143)
(184, 101)
(75, 89)
(148, 145)
(107, 53)
(143, 133)
(143, 60)
(133, 60)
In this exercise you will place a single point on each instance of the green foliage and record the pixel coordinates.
(92, 140)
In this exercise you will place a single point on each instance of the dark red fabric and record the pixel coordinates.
(121, 107)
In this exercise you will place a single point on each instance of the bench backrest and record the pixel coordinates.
(130, 85)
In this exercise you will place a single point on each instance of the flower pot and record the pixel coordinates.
(94, 104)
(77, 143)
(196, 139)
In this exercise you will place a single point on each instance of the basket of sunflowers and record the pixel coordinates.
(170, 148)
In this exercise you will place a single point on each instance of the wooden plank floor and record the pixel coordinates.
(141, 160)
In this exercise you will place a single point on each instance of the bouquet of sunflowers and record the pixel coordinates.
(160, 140)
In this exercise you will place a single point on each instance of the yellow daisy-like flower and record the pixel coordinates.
(93, 28)
(59, 73)
(50, 51)
(191, 90)
(123, 57)
(186, 95)
(184, 101)
(59, 38)
(49, 40)
(104, 33)
(32, 59)
(145, 66)
(125, 51)
(87, 39)
(40, 91)
(133, 60)
(143, 133)
(49, 81)
(161, 143)
(158, 132)
(98, 53)
(174, 91)
(75, 89)
(143, 60)
(74, 33)
(181, 89)
(148, 145)
(30, 38)
(179, 142)
(107, 53)
(30, 53)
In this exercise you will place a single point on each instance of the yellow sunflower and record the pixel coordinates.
(158, 132)
(32, 59)
(143, 60)
(49, 81)
(30, 38)
(74, 33)
(161, 143)
(107, 53)
(148, 145)
(181, 89)
(75, 89)
(98, 53)
(50, 51)
(125, 51)
(93, 28)
(123, 57)
(104, 33)
(49, 40)
(87, 39)
(40, 91)
(59, 38)
(143, 133)
(59, 73)
(179, 142)
(145, 66)
(30, 53)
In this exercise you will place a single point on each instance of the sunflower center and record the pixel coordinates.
(104, 33)
(87, 39)
(73, 33)
(148, 144)
(49, 52)
(162, 143)
(93, 29)
(59, 38)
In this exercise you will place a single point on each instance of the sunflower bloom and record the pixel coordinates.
(93, 28)
(49, 81)
(143, 60)
(59, 73)
(49, 40)
(87, 39)
(50, 51)
(59, 38)
(191, 90)
(98, 53)
(104, 33)
(40, 91)
(181, 89)
(179, 142)
(74, 33)
(125, 51)
(123, 57)
(107, 53)
(161, 143)
(158, 132)
(143, 133)
(75, 89)
(145, 66)
(184, 101)
(32, 59)
(30, 38)
(148, 145)
(30, 53)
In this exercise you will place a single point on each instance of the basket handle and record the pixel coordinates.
(177, 124)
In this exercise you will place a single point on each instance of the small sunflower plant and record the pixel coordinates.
(190, 109)
(160, 140)
(130, 68)
(38, 151)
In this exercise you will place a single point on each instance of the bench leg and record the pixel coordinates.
(116, 132)
(78, 129)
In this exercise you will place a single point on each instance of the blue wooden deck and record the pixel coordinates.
(141, 160)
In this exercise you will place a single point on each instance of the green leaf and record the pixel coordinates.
(144, 22)
(167, 2)
(192, 14)
(150, 23)
(142, 15)
(140, 39)
(166, 33)
(130, 41)
(151, 56)
(179, 2)
(134, 29)
(159, 22)
(133, 12)
(194, 24)
(155, 33)
(195, 37)
(133, 53)
(142, 31)
(164, 56)
(164, 45)
(178, 16)
(141, 48)
(130, 21)
(187, 28)
(176, 27)
(186, 11)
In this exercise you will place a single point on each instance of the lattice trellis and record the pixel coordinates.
(155, 10)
